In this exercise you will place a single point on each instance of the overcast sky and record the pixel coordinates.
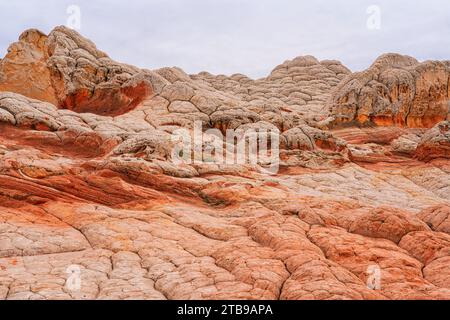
(239, 36)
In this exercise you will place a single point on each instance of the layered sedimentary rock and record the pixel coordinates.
(435, 143)
(300, 87)
(89, 187)
(395, 91)
(66, 69)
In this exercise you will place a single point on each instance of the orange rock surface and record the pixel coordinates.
(87, 180)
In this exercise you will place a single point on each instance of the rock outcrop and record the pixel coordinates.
(89, 185)
(66, 69)
(395, 91)
(435, 143)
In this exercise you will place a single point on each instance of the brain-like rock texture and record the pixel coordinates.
(386, 224)
(438, 218)
(66, 69)
(89, 181)
(24, 68)
(395, 91)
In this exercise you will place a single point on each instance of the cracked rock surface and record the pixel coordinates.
(89, 190)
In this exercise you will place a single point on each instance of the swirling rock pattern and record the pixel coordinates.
(87, 181)
(66, 69)
(395, 91)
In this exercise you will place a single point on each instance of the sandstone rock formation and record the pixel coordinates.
(395, 91)
(89, 186)
(68, 70)
(435, 143)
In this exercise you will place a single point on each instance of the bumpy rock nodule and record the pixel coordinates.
(395, 91)
(87, 179)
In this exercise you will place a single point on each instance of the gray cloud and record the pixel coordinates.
(251, 37)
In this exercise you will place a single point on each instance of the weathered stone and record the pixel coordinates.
(435, 143)
(95, 189)
(395, 91)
